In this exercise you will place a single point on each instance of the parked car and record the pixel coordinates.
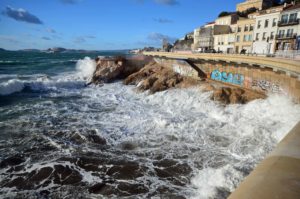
(210, 51)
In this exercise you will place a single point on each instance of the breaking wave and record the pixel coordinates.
(84, 71)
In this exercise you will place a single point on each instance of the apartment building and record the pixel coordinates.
(224, 38)
(265, 30)
(203, 37)
(288, 37)
(259, 4)
(244, 34)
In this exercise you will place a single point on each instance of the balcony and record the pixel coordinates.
(286, 36)
(289, 22)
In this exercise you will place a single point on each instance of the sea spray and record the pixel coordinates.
(86, 67)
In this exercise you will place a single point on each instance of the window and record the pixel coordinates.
(293, 17)
(274, 22)
(239, 29)
(272, 35)
(281, 33)
(266, 23)
(259, 24)
(264, 36)
(249, 37)
(238, 38)
(246, 29)
(245, 37)
(289, 33)
(284, 18)
(257, 37)
(251, 27)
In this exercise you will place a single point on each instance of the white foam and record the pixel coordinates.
(11, 86)
(209, 179)
(219, 143)
(178, 122)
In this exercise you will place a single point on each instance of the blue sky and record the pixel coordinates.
(102, 24)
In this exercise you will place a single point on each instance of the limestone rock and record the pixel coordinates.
(156, 78)
(109, 69)
(229, 95)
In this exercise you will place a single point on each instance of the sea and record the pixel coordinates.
(63, 138)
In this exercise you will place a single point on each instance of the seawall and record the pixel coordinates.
(257, 78)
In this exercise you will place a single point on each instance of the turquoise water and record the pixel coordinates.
(60, 138)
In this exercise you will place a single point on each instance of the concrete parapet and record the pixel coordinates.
(276, 177)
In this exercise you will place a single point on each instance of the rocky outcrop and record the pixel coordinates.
(109, 69)
(231, 95)
(155, 78)
(147, 74)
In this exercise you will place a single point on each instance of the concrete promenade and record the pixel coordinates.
(290, 67)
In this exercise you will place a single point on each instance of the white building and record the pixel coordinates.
(266, 25)
(225, 38)
(288, 33)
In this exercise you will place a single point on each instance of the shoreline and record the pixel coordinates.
(147, 74)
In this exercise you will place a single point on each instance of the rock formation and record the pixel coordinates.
(109, 69)
(155, 78)
(231, 94)
(146, 74)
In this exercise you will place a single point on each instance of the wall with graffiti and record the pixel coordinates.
(178, 66)
(250, 77)
(231, 78)
(265, 85)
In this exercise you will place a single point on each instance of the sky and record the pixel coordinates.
(102, 24)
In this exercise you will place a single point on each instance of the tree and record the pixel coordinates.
(224, 13)
(247, 12)
(281, 2)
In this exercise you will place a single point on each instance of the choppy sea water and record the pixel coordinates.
(62, 139)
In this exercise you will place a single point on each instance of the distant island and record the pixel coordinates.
(55, 50)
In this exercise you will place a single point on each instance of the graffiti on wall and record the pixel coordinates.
(184, 69)
(266, 86)
(228, 77)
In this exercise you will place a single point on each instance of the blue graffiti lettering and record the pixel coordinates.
(228, 77)
(238, 79)
(216, 75)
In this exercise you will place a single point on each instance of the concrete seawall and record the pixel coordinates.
(262, 78)
(278, 175)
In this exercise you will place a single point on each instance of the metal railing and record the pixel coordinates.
(286, 36)
(288, 54)
(289, 22)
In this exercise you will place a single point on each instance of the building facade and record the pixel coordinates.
(225, 38)
(259, 4)
(203, 38)
(265, 30)
(244, 35)
(287, 37)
